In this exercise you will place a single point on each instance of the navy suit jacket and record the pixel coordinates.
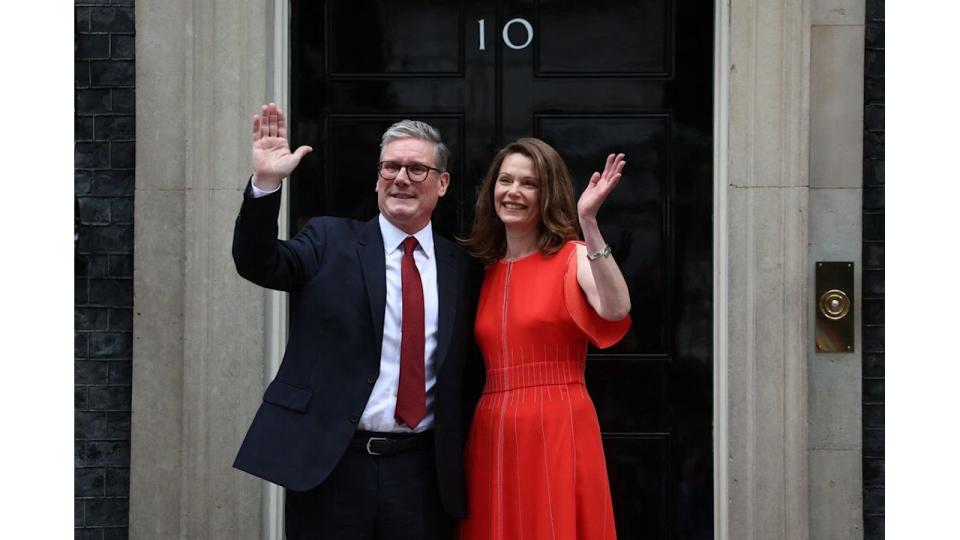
(335, 270)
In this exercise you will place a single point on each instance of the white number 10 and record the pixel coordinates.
(506, 33)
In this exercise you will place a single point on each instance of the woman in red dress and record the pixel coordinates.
(534, 459)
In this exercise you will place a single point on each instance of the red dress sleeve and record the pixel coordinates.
(601, 332)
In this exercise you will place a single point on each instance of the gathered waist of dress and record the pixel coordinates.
(528, 374)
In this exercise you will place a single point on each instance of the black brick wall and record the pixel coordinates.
(103, 302)
(873, 278)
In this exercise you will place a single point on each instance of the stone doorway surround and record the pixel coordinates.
(205, 340)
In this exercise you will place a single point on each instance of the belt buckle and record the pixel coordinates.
(370, 450)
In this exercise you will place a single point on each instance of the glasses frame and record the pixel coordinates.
(406, 166)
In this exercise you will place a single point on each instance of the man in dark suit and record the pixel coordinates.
(363, 424)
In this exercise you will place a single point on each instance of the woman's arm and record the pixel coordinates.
(600, 278)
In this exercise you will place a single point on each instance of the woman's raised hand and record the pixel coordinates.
(599, 187)
(272, 159)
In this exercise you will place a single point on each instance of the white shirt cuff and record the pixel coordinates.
(257, 192)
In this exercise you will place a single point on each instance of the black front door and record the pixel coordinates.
(589, 78)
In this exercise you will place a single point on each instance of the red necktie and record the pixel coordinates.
(411, 395)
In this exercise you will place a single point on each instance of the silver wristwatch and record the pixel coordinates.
(605, 252)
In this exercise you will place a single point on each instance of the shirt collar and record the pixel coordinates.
(393, 237)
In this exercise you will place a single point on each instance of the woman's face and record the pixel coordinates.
(516, 194)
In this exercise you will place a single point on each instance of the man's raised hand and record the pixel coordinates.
(272, 159)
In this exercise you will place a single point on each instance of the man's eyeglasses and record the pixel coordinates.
(416, 172)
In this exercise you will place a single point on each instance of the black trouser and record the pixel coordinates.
(369, 497)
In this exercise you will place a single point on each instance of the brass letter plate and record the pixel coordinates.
(834, 307)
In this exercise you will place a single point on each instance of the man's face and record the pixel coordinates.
(406, 204)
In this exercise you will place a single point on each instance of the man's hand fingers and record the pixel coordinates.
(281, 127)
(302, 151)
(263, 121)
(256, 127)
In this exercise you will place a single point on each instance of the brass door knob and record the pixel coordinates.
(834, 304)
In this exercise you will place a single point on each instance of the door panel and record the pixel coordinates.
(632, 76)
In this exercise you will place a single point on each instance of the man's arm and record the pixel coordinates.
(257, 253)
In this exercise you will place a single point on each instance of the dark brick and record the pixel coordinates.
(122, 155)
(124, 100)
(91, 265)
(873, 312)
(92, 101)
(89, 46)
(873, 390)
(91, 155)
(111, 73)
(120, 372)
(874, 10)
(94, 211)
(90, 319)
(118, 425)
(121, 320)
(114, 183)
(873, 117)
(121, 266)
(873, 527)
(873, 365)
(111, 19)
(874, 416)
(122, 2)
(79, 345)
(121, 47)
(873, 473)
(111, 345)
(873, 286)
(107, 511)
(874, 35)
(81, 17)
(89, 372)
(77, 513)
(873, 443)
(88, 482)
(79, 397)
(111, 292)
(873, 198)
(87, 534)
(873, 172)
(81, 74)
(873, 145)
(115, 533)
(118, 481)
(80, 291)
(121, 210)
(82, 183)
(111, 238)
(873, 338)
(874, 90)
(873, 497)
(114, 128)
(873, 226)
(102, 453)
(89, 425)
(874, 63)
(108, 398)
(83, 128)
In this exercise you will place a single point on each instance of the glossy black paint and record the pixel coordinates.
(598, 77)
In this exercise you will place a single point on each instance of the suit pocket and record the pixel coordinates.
(288, 396)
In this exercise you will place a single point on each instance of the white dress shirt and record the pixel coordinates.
(378, 414)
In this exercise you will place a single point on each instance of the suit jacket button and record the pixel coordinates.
(371, 379)
(354, 419)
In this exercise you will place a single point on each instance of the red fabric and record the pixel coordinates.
(411, 393)
(534, 458)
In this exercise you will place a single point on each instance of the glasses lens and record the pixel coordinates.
(389, 169)
(417, 172)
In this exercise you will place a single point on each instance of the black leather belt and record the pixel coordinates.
(388, 444)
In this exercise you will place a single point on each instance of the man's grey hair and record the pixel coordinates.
(418, 130)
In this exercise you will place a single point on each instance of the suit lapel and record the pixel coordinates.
(448, 283)
(373, 267)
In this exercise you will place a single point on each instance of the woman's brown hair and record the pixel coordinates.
(558, 211)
